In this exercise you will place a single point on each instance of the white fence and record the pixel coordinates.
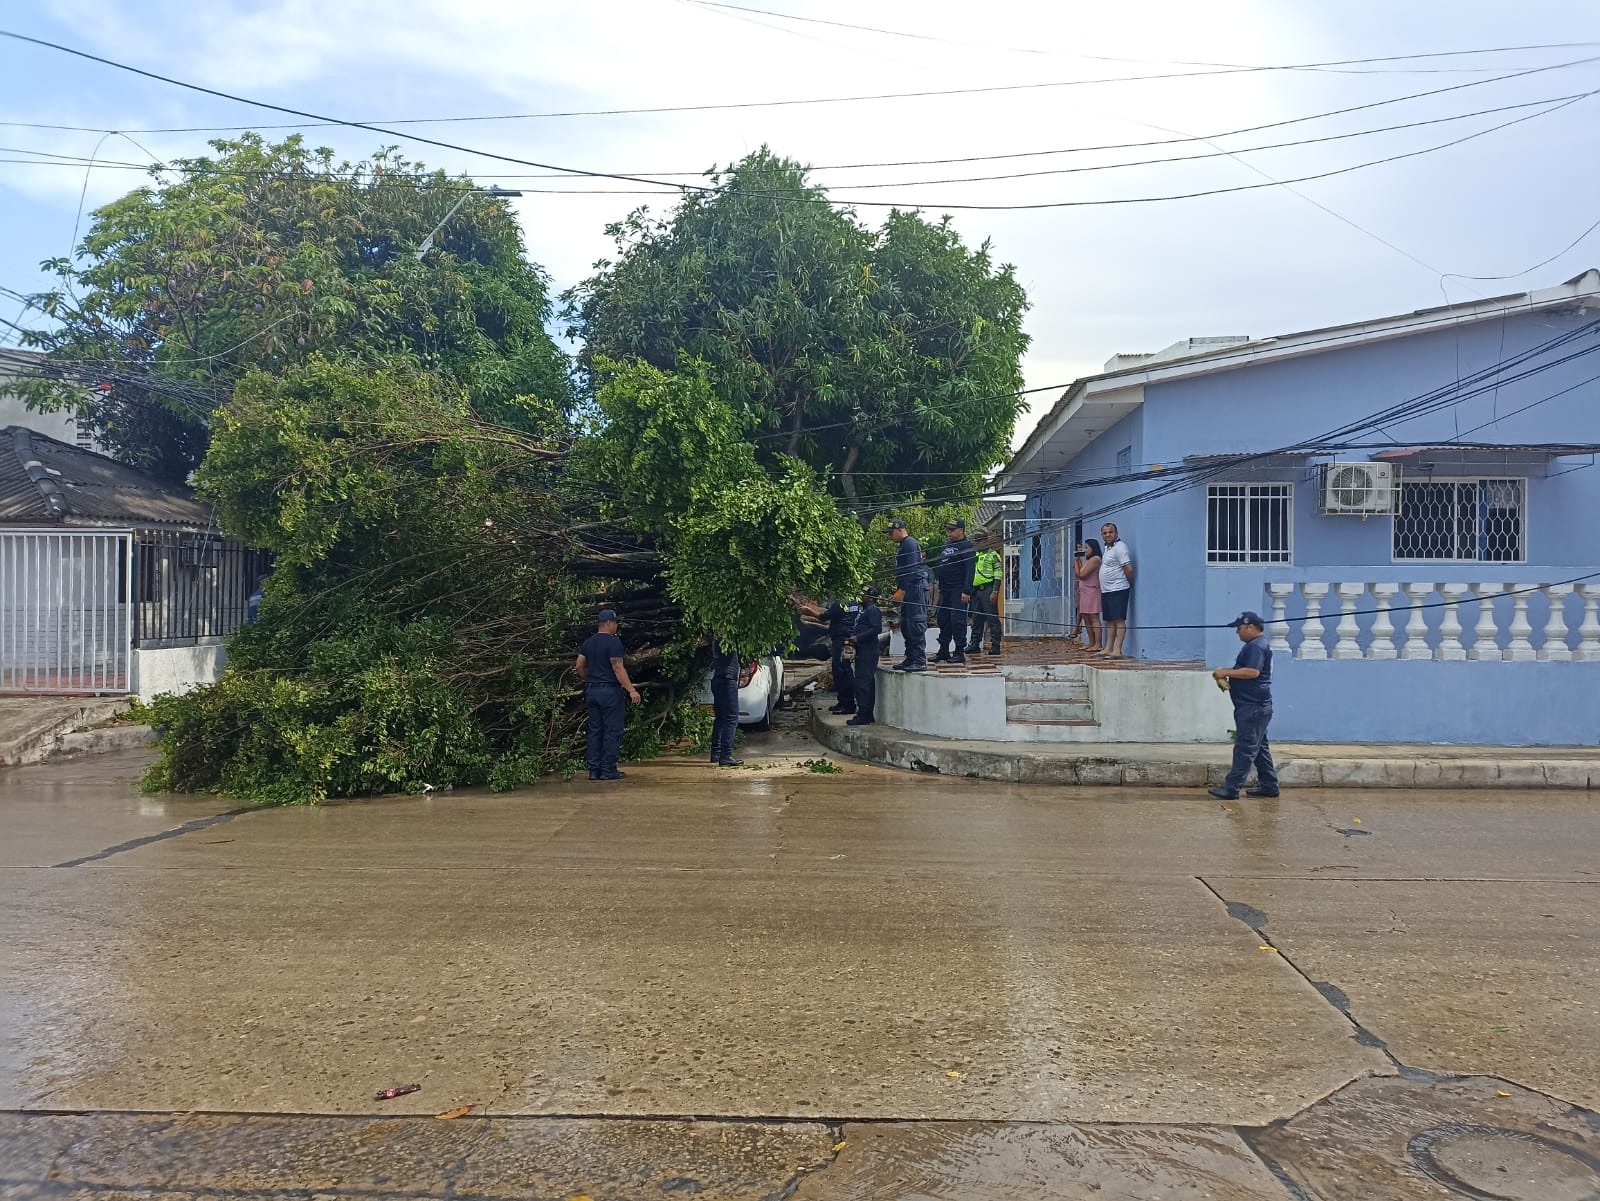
(1511, 622)
(65, 617)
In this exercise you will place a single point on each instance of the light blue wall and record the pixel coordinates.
(1262, 407)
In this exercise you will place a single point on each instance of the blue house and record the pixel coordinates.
(1410, 501)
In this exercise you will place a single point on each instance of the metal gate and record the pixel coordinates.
(65, 617)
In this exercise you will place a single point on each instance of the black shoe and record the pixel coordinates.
(974, 650)
(1258, 792)
(942, 657)
(959, 659)
(594, 775)
(842, 709)
(913, 667)
(612, 775)
(994, 650)
(1222, 794)
(730, 762)
(858, 720)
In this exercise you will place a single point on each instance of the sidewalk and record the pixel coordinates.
(1194, 765)
(31, 726)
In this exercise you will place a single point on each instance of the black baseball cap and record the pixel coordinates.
(870, 590)
(955, 525)
(897, 524)
(605, 616)
(1247, 618)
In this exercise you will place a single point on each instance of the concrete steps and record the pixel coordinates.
(1050, 703)
(1050, 710)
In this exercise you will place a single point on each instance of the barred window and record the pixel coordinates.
(1470, 521)
(1250, 523)
(1125, 460)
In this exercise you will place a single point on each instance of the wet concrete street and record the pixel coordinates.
(770, 983)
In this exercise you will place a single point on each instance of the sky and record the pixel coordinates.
(1109, 267)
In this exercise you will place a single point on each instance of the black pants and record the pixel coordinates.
(844, 678)
(866, 687)
(914, 624)
(606, 708)
(985, 610)
(952, 622)
(725, 719)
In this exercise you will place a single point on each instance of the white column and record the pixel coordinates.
(1519, 649)
(1417, 625)
(1450, 646)
(1555, 646)
(1383, 640)
(1483, 644)
(1278, 627)
(1589, 632)
(1311, 632)
(1348, 647)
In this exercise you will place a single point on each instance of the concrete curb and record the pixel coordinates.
(99, 742)
(35, 724)
(1181, 766)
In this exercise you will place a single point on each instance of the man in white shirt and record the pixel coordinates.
(1116, 590)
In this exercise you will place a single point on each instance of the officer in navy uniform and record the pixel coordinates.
(605, 681)
(865, 638)
(724, 704)
(957, 563)
(911, 579)
(841, 619)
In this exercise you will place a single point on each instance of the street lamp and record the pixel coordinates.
(427, 242)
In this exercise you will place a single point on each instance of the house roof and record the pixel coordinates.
(1094, 403)
(46, 481)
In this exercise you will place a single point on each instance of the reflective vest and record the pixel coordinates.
(989, 569)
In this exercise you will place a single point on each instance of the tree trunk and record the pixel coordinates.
(847, 481)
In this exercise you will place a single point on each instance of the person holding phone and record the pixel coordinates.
(1086, 566)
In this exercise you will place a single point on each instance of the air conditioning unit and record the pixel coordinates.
(1362, 488)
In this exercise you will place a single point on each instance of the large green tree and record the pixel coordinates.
(263, 256)
(887, 358)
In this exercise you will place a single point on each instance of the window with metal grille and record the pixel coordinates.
(1250, 523)
(1462, 521)
(1125, 459)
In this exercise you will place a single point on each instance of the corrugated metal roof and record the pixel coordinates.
(43, 479)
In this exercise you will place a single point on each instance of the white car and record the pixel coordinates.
(760, 690)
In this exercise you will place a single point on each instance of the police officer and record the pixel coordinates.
(724, 704)
(865, 638)
(988, 571)
(957, 560)
(605, 679)
(841, 619)
(911, 580)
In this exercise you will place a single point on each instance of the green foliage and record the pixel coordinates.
(264, 257)
(738, 541)
(821, 767)
(902, 342)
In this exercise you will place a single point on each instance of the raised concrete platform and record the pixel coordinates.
(31, 726)
(1059, 702)
(1196, 765)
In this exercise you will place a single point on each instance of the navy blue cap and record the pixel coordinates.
(1247, 618)
(955, 525)
(605, 616)
(897, 524)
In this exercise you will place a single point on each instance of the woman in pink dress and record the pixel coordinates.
(1086, 566)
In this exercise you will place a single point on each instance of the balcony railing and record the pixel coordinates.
(1423, 619)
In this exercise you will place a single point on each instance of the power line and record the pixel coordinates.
(315, 120)
(1228, 67)
(822, 199)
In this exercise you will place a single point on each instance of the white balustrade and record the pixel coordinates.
(1519, 649)
(1311, 631)
(1417, 625)
(1589, 632)
(1555, 646)
(1278, 627)
(1347, 647)
(1561, 640)
(1383, 644)
(1484, 645)
(1451, 648)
